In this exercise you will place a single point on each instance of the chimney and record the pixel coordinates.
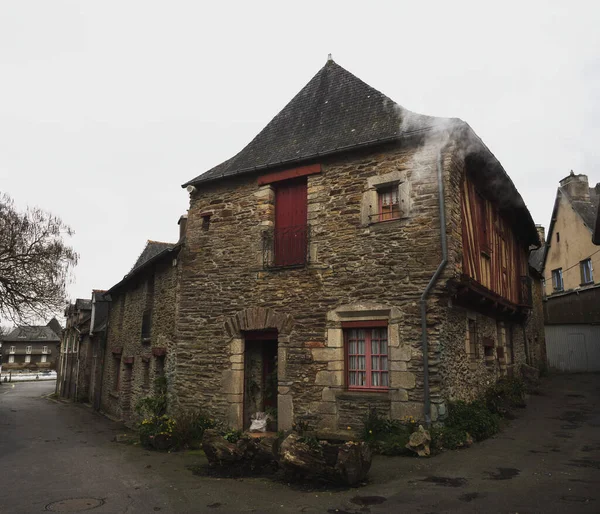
(182, 226)
(577, 187)
(541, 233)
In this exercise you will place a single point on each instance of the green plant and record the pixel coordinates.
(448, 438)
(157, 432)
(301, 427)
(312, 442)
(473, 418)
(190, 427)
(232, 436)
(505, 395)
(156, 404)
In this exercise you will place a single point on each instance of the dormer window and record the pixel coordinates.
(28, 349)
(389, 203)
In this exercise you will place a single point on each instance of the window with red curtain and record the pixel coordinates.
(367, 357)
(291, 230)
(389, 204)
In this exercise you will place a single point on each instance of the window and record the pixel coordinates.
(206, 221)
(472, 335)
(12, 349)
(44, 358)
(290, 243)
(27, 358)
(558, 237)
(28, 349)
(389, 204)
(44, 349)
(586, 271)
(11, 359)
(367, 358)
(557, 279)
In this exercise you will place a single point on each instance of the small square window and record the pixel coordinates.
(27, 358)
(389, 204)
(585, 268)
(557, 279)
(11, 359)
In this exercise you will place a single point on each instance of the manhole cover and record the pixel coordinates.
(75, 504)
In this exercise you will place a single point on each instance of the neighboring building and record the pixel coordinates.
(69, 380)
(572, 278)
(30, 348)
(307, 260)
(141, 330)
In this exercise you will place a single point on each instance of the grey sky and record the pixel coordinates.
(107, 107)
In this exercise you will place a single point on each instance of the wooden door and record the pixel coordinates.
(291, 235)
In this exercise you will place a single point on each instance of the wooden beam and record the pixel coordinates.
(278, 176)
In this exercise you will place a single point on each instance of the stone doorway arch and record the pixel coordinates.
(252, 320)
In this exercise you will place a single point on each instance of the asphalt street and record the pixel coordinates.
(61, 457)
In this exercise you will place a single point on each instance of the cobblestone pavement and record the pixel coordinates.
(60, 457)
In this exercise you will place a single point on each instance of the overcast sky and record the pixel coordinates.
(107, 107)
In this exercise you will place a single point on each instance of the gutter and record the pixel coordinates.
(427, 291)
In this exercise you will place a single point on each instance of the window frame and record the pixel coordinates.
(28, 350)
(28, 358)
(12, 350)
(44, 358)
(381, 194)
(557, 273)
(472, 346)
(11, 358)
(368, 327)
(586, 263)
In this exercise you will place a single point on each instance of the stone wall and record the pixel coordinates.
(535, 328)
(358, 270)
(139, 363)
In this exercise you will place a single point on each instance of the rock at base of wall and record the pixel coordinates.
(346, 463)
(419, 442)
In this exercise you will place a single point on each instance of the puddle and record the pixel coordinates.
(368, 500)
(446, 481)
(75, 504)
(503, 474)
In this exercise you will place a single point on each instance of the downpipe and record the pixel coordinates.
(427, 291)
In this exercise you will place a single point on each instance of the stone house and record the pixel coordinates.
(353, 255)
(570, 265)
(30, 347)
(70, 383)
(140, 333)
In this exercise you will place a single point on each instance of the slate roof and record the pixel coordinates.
(537, 257)
(152, 249)
(33, 333)
(83, 304)
(334, 112)
(587, 210)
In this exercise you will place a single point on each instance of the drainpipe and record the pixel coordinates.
(438, 272)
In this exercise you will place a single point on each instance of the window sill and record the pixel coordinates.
(386, 224)
(367, 394)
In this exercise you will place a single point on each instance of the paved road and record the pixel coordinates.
(546, 461)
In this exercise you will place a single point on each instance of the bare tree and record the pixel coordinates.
(35, 263)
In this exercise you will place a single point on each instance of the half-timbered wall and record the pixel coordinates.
(492, 255)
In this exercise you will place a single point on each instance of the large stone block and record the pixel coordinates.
(329, 378)
(232, 381)
(335, 338)
(327, 354)
(403, 410)
(402, 379)
(285, 412)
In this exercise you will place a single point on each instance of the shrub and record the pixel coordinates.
(156, 404)
(448, 438)
(156, 432)
(232, 436)
(190, 427)
(473, 418)
(505, 395)
(386, 436)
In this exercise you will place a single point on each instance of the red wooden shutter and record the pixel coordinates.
(290, 223)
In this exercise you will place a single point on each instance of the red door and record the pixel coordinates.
(290, 223)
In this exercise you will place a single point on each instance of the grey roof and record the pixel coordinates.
(83, 304)
(152, 249)
(537, 257)
(33, 333)
(335, 111)
(587, 209)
